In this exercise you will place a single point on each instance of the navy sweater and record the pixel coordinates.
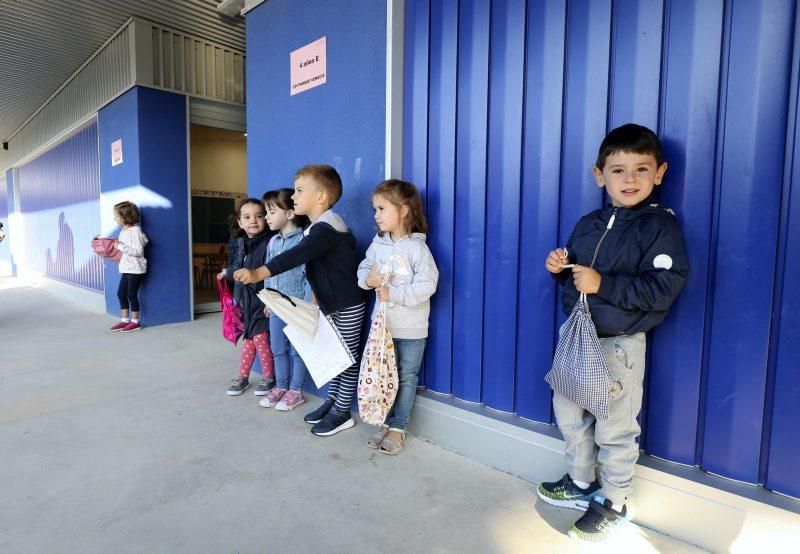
(331, 264)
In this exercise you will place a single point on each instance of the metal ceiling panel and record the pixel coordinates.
(140, 53)
(44, 43)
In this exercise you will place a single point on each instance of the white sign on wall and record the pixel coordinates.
(308, 66)
(116, 152)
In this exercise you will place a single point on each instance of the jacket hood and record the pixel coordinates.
(334, 220)
(387, 239)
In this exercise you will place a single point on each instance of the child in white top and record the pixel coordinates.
(132, 265)
(399, 257)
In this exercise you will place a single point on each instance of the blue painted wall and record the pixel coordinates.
(341, 123)
(781, 450)
(5, 246)
(505, 106)
(10, 198)
(152, 125)
(59, 211)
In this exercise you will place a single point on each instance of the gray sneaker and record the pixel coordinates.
(239, 385)
(600, 521)
(264, 387)
(566, 494)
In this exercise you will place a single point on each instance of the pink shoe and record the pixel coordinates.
(131, 327)
(272, 398)
(119, 326)
(290, 401)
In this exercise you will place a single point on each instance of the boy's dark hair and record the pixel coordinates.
(402, 193)
(325, 177)
(128, 212)
(282, 199)
(630, 138)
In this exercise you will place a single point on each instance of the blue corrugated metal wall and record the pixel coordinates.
(506, 103)
(9, 197)
(3, 199)
(5, 246)
(59, 200)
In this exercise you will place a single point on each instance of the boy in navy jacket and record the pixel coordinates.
(638, 271)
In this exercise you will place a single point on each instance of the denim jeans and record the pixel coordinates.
(285, 357)
(408, 353)
(608, 445)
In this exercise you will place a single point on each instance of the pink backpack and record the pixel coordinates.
(232, 326)
(105, 248)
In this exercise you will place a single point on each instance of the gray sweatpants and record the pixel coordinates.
(610, 444)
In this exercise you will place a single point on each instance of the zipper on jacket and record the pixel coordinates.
(608, 228)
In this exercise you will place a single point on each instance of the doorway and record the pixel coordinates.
(218, 183)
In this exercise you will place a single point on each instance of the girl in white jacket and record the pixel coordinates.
(399, 250)
(132, 265)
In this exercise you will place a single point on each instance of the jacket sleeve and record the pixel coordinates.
(132, 243)
(662, 273)
(365, 267)
(320, 239)
(423, 284)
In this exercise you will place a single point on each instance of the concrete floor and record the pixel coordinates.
(128, 443)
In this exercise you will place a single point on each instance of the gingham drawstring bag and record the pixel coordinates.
(579, 371)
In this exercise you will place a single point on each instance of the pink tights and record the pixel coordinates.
(260, 344)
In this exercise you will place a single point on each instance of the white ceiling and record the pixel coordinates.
(43, 42)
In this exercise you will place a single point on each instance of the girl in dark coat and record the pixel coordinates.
(251, 219)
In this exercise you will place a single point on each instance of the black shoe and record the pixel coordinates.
(567, 494)
(239, 385)
(599, 522)
(264, 387)
(332, 423)
(317, 415)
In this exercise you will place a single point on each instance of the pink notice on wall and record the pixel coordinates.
(116, 152)
(308, 66)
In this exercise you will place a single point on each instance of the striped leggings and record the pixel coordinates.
(342, 388)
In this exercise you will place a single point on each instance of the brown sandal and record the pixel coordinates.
(391, 445)
(375, 440)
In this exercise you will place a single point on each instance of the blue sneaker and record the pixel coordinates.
(317, 415)
(566, 494)
(599, 522)
(333, 422)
